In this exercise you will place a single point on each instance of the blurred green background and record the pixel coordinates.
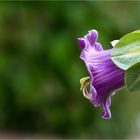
(40, 69)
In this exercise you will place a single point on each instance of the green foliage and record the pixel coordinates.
(127, 50)
(126, 55)
(132, 78)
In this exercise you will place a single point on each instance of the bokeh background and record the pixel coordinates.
(40, 69)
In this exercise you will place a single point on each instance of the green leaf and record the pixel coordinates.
(132, 78)
(127, 50)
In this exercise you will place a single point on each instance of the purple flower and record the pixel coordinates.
(105, 77)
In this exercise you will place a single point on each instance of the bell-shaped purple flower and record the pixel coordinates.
(105, 77)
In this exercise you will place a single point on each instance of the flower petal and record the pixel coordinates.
(92, 37)
(105, 108)
(81, 42)
(88, 42)
(105, 76)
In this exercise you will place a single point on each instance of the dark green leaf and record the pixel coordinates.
(132, 78)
